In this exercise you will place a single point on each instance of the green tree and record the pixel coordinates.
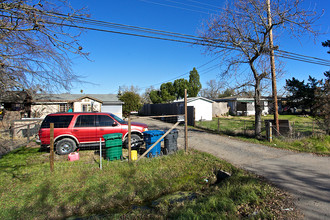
(132, 102)
(167, 92)
(326, 44)
(194, 84)
(155, 97)
(302, 94)
(322, 103)
(227, 93)
(180, 85)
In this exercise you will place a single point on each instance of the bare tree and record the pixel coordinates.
(36, 40)
(240, 33)
(213, 89)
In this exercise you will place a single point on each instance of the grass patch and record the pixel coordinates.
(176, 186)
(243, 128)
(315, 144)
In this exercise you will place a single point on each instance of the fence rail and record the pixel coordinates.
(247, 127)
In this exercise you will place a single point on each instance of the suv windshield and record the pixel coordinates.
(121, 121)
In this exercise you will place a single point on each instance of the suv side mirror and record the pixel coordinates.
(114, 124)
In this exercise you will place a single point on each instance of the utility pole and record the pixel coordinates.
(272, 62)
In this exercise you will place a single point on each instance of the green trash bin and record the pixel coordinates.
(113, 146)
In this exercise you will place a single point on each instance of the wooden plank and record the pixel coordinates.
(51, 147)
(152, 146)
(186, 122)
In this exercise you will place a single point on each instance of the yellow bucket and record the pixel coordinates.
(134, 155)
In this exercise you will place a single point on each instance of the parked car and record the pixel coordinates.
(72, 130)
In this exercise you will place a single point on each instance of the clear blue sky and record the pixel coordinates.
(125, 60)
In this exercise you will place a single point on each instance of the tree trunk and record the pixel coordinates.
(258, 109)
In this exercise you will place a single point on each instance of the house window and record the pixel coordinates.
(63, 107)
(86, 107)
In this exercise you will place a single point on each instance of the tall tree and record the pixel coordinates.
(35, 44)
(213, 89)
(322, 103)
(180, 85)
(302, 94)
(194, 84)
(155, 97)
(132, 102)
(240, 33)
(167, 92)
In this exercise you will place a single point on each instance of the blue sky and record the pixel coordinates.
(119, 60)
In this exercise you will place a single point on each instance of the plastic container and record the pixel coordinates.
(171, 142)
(113, 140)
(134, 155)
(73, 156)
(114, 153)
(113, 145)
(151, 137)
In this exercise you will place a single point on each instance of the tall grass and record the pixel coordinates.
(176, 186)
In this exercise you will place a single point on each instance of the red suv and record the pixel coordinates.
(72, 130)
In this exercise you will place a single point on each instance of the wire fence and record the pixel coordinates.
(17, 133)
(246, 127)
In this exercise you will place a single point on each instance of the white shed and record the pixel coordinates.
(203, 107)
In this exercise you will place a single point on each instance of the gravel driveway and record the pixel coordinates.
(305, 176)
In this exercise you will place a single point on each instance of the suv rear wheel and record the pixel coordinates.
(65, 146)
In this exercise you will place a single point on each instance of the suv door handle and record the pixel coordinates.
(75, 130)
(101, 129)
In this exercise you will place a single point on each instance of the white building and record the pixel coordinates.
(203, 107)
(244, 106)
(44, 104)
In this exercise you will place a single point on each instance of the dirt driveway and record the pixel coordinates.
(305, 176)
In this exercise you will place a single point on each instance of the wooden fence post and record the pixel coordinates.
(270, 132)
(51, 147)
(219, 125)
(186, 122)
(244, 128)
(313, 129)
(28, 133)
(293, 129)
(129, 138)
(12, 129)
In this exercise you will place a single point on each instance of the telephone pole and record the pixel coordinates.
(272, 62)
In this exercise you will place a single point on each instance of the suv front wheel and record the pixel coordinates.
(136, 141)
(65, 146)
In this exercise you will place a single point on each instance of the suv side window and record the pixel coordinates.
(85, 121)
(105, 121)
(61, 121)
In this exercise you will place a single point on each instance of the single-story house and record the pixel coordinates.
(44, 104)
(245, 105)
(203, 107)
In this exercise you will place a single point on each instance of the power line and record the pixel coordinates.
(172, 6)
(196, 39)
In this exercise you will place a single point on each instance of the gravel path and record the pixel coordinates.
(305, 176)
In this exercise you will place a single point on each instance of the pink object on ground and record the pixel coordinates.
(73, 156)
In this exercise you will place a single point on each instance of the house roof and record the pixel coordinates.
(65, 97)
(240, 99)
(192, 99)
(14, 96)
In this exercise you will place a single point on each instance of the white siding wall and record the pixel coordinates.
(114, 109)
(42, 110)
(78, 106)
(203, 110)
